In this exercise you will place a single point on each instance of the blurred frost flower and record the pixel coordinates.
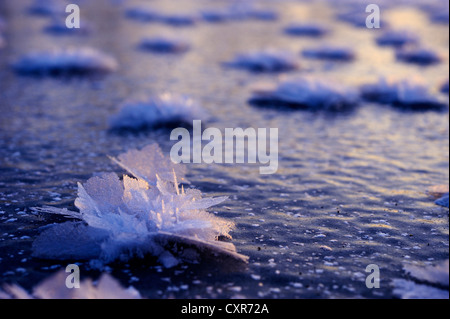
(157, 111)
(54, 288)
(133, 217)
(65, 61)
(306, 93)
(407, 93)
(164, 44)
(268, 60)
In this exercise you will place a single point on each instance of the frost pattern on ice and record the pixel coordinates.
(396, 38)
(307, 93)
(305, 29)
(163, 110)
(55, 288)
(137, 216)
(65, 61)
(268, 60)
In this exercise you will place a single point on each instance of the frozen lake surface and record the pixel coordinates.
(351, 186)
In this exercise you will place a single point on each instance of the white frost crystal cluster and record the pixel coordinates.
(133, 217)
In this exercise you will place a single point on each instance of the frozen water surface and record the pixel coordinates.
(350, 190)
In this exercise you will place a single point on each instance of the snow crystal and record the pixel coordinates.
(409, 93)
(55, 288)
(65, 61)
(312, 30)
(163, 110)
(421, 56)
(269, 60)
(396, 38)
(129, 218)
(164, 44)
(307, 93)
(329, 53)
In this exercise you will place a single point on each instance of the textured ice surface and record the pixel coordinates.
(307, 93)
(163, 110)
(408, 93)
(311, 30)
(269, 60)
(133, 217)
(417, 55)
(165, 44)
(396, 38)
(65, 61)
(329, 53)
(55, 288)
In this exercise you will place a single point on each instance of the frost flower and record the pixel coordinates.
(133, 217)
(65, 61)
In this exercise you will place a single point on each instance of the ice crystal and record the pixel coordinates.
(65, 61)
(139, 215)
(166, 109)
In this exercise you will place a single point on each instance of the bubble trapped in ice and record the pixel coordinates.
(133, 217)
